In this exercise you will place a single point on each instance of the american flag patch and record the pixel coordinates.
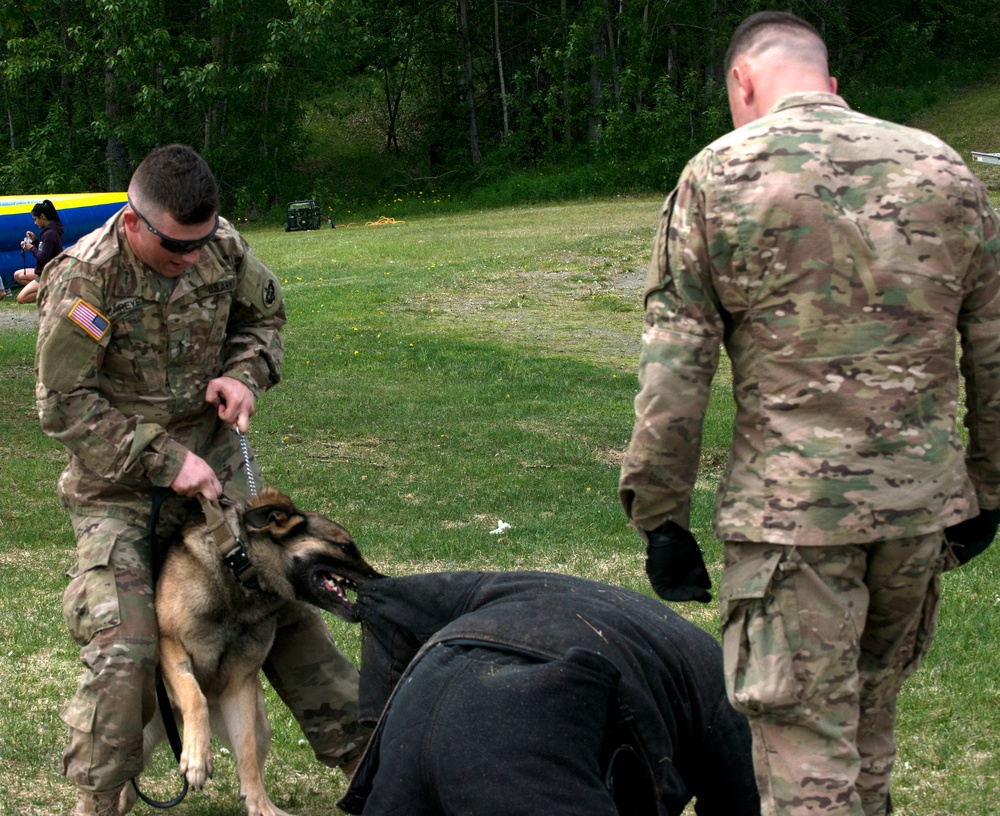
(89, 319)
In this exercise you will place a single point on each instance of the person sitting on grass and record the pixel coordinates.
(44, 247)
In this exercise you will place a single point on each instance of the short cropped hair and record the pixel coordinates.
(754, 28)
(46, 208)
(176, 180)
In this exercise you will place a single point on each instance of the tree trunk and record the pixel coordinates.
(392, 99)
(64, 76)
(10, 125)
(212, 111)
(394, 95)
(470, 95)
(503, 87)
(116, 156)
(567, 116)
(596, 88)
(8, 103)
(613, 51)
(647, 47)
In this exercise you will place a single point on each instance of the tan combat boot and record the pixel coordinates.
(127, 799)
(89, 803)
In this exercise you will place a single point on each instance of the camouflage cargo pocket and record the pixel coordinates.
(760, 676)
(90, 602)
(80, 712)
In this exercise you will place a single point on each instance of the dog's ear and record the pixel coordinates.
(277, 519)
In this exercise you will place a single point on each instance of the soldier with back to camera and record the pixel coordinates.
(835, 256)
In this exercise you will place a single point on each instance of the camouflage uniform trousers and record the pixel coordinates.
(108, 607)
(817, 643)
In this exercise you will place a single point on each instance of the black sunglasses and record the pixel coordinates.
(172, 244)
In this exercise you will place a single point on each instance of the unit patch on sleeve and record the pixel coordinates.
(89, 319)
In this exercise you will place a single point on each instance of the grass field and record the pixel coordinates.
(442, 374)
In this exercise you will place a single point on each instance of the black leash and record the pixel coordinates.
(159, 554)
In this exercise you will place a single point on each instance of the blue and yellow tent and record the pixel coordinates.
(80, 213)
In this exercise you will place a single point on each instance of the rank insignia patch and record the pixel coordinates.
(89, 319)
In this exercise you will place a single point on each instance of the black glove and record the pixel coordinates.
(675, 566)
(970, 537)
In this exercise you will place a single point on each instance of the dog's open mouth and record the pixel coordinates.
(333, 589)
(331, 584)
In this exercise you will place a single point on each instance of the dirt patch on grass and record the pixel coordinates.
(22, 317)
(596, 313)
(610, 456)
(523, 288)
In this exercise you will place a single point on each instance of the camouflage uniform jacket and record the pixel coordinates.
(125, 356)
(834, 255)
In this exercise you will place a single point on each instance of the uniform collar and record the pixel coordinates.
(808, 99)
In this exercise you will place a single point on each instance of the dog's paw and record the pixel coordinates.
(262, 806)
(196, 763)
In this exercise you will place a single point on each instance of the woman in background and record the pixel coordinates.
(44, 247)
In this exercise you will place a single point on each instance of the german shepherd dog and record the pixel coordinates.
(215, 632)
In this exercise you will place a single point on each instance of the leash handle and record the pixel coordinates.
(174, 738)
(161, 805)
(246, 462)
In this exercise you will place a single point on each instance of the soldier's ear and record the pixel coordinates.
(131, 220)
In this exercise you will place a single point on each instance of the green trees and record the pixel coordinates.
(89, 86)
(482, 87)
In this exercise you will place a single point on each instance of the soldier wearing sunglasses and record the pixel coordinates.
(157, 334)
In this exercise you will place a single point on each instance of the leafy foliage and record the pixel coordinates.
(122, 77)
(470, 92)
